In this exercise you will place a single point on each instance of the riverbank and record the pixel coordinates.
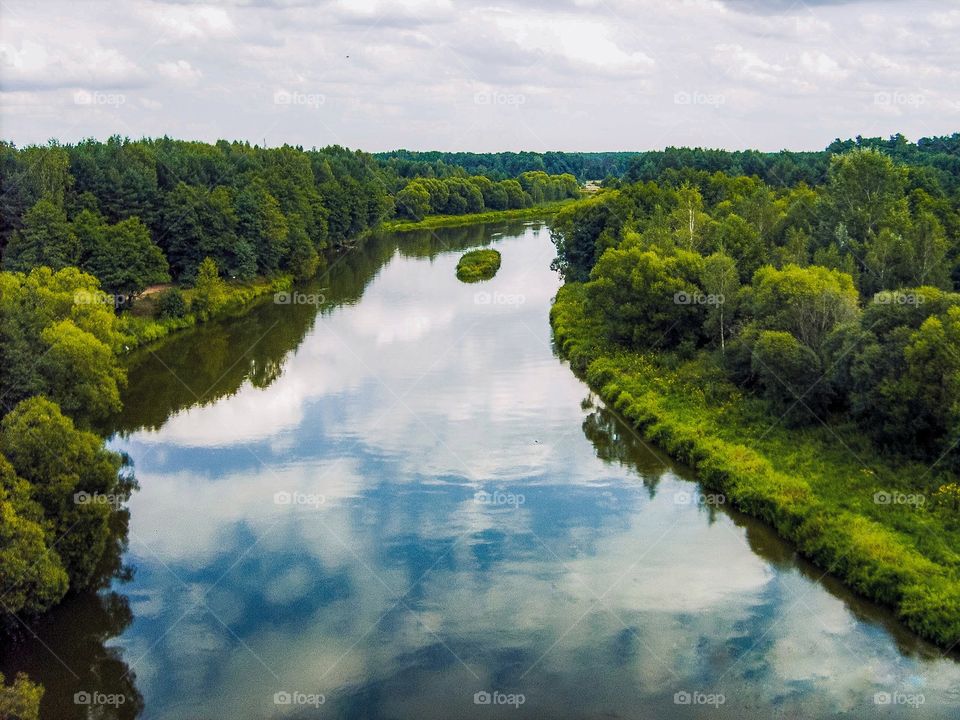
(437, 221)
(140, 326)
(868, 526)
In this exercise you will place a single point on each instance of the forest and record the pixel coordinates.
(810, 329)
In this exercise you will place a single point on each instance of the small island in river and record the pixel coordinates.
(478, 265)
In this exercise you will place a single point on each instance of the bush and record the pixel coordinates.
(171, 304)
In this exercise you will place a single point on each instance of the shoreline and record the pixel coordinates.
(438, 221)
(668, 406)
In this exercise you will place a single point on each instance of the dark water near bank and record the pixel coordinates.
(383, 505)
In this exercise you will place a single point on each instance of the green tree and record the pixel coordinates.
(209, 292)
(648, 300)
(21, 699)
(805, 302)
(76, 481)
(47, 238)
(720, 280)
(31, 573)
(126, 260)
(791, 376)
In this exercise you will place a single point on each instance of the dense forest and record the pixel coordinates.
(830, 309)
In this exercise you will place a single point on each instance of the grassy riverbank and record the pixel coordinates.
(866, 525)
(438, 221)
(142, 325)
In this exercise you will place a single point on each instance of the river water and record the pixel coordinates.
(388, 498)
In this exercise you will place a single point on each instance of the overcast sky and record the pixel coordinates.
(495, 75)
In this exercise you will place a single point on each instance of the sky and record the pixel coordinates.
(483, 76)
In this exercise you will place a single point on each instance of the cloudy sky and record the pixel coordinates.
(481, 75)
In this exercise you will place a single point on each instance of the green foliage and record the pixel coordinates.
(646, 299)
(210, 292)
(21, 699)
(478, 265)
(171, 304)
(807, 302)
(806, 482)
(456, 195)
(31, 571)
(58, 333)
(46, 238)
(123, 258)
(73, 478)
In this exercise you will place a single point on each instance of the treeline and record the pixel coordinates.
(461, 195)
(135, 213)
(836, 299)
(939, 155)
(504, 165)
(935, 162)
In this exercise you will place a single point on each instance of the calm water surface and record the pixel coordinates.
(383, 505)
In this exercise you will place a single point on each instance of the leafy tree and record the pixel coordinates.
(47, 238)
(806, 302)
(720, 279)
(791, 376)
(210, 292)
(263, 227)
(645, 299)
(31, 572)
(171, 304)
(125, 259)
(21, 699)
(58, 334)
(74, 479)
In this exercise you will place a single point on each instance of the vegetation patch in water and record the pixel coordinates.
(478, 265)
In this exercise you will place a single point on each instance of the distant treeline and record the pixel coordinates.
(941, 155)
(503, 165)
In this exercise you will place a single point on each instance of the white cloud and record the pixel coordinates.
(180, 71)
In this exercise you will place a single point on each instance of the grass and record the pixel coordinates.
(816, 486)
(437, 221)
(478, 265)
(141, 326)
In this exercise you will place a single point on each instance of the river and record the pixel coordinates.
(388, 498)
